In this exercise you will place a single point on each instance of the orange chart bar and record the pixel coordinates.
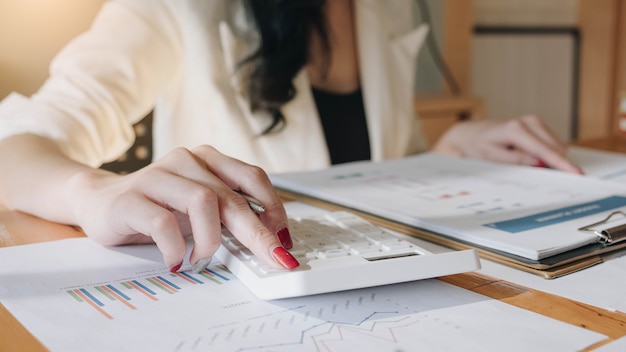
(148, 287)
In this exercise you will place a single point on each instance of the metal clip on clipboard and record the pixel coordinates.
(608, 234)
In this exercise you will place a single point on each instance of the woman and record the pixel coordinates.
(238, 88)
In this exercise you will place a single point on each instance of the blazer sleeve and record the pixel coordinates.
(102, 82)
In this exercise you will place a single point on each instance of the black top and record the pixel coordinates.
(345, 127)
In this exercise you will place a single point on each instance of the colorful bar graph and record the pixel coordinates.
(168, 282)
(117, 296)
(209, 276)
(88, 299)
(218, 275)
(118, 292)
(163, 286)
(99, 297)
(190, 277)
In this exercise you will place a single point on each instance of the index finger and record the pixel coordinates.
(253, 181)
(252, 233)
(261, 234)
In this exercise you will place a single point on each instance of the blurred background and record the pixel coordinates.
(561, 59)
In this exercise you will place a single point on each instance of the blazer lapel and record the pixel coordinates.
(387, 69)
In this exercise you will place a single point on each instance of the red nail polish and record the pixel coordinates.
(284, 258)
(539, 163)
(285, 238)
(174, 268)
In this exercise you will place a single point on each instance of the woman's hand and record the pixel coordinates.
(526, 141)
(186, 192)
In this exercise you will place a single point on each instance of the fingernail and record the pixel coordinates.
(201, 265)
(539, 163)
(285, 238)
(174, 268)
(284, 258)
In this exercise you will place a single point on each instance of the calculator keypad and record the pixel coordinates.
(333, 235)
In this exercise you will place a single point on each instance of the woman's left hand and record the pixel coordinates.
(525, 140)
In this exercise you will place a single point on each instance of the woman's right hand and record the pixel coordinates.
(186, 192)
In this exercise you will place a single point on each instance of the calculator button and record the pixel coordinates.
(232, 246)
(353, 241)
(303, 236)
(382, 237)
(303, 257)
(246, 253)
(364, 250)
(323, 244)
(299, 249)
(332, 253)
(339, 216)
(266, 269)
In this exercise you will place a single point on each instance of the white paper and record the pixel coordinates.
(530, 212)
(618, 345)
(220, 314)
(601, 285)
(604, 165)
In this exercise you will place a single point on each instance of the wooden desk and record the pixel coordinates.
(17, 228)
(614, 143)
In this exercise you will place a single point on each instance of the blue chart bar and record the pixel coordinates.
(218, 275)
(144, 287)
(168, 282)
(118, 292)
(191, 277)
(91, 297)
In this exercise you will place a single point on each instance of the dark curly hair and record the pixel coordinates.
(285, 28)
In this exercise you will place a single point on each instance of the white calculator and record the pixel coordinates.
(340, 251)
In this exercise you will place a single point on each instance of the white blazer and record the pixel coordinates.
(180, 56)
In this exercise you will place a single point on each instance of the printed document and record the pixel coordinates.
(77, 295)
(529, 212)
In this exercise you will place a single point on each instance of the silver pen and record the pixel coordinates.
(254, 204)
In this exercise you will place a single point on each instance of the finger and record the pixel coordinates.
(525, 139)
(539, 129)
(253, 234)
(199, 202)
(502, 154)
(208, 167)
(252, 181)
(144, 216)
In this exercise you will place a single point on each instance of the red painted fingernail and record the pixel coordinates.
(539, 163)
(174, 268)
(285, 238)
(284, 258)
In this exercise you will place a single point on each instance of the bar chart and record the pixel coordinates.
(126, 292)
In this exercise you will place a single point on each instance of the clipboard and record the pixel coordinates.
(611, 234)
